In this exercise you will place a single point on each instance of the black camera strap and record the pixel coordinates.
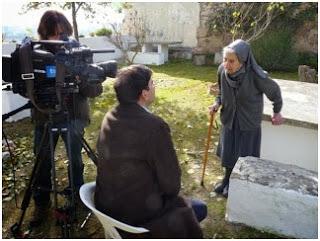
(27, 71)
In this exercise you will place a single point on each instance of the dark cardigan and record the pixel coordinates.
(248, 102)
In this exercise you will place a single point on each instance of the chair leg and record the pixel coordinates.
(111, 232)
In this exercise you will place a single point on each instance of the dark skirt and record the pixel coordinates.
(236, 143)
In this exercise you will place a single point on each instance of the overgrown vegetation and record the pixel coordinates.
(296, 15)
(182, 100)
(104, 32)
(270, 27)
(274, 51)
(308, 58)
(244, 20)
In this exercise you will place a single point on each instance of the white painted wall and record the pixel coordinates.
(297, 143)
(8, 48)
(101, 43)
(290, 145)
(167, 21)
(150, 58)
(10, 102)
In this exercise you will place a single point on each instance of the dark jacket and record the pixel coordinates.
(247, 100)
(77, 105)
(138, 178)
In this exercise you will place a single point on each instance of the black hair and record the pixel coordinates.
(130, 82)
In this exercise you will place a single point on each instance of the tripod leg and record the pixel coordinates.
(86, 146)
(70, 209)
(53, 170)
(71, 174)
(16, 228)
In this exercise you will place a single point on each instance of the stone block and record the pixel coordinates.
(274, 197)
(180, 53)
(199, 59)
(149, 58)
(218, 58)
(306, 74)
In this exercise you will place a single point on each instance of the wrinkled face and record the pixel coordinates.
(231, 63)
(149, 94)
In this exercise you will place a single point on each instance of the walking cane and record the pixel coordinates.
(205, 158)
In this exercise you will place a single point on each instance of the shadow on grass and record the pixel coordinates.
(185, 69)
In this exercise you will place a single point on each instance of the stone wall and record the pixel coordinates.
(306, 37)
(207, 43)
(187, 22)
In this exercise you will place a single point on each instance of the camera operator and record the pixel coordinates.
(53, 25)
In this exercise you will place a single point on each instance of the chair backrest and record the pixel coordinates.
(109, 224)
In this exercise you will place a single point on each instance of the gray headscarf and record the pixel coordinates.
(244, 53)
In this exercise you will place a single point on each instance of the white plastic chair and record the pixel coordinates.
(109, 224)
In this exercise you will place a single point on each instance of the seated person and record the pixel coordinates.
(138, 173)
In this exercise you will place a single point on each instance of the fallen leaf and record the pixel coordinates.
(7, 199)
(190, 171)
(212, 194)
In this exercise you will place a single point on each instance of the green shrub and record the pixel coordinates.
(104, 32)
(274, 51)
(308, 58)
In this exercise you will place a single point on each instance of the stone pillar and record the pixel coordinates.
(198, 56)
(199, 59)
(218, 58)
(306, 74)
(163, 48)
(275, 197)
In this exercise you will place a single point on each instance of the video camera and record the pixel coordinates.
(44, 71)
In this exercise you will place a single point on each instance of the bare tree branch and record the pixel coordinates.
(138, 30)
(248, 20)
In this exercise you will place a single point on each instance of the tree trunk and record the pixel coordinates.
(74, 21)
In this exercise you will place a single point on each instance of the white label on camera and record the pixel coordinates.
(39, 71)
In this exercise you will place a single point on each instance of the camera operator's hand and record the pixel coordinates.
(78, 80)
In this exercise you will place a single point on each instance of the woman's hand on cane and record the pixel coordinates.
(213, 108)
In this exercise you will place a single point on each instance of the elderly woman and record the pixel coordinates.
(242, 83)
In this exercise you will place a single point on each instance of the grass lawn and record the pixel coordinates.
(181, 100)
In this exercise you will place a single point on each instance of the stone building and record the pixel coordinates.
(187, 22)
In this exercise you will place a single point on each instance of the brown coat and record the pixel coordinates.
(138, 177)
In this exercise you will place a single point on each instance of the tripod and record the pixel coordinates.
(66, 215)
